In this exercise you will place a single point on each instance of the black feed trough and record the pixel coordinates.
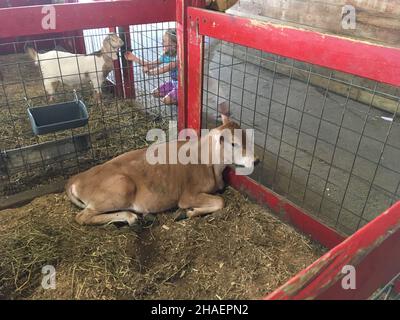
(57, 117)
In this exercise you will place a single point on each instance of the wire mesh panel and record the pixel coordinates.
(147, 44)
(118, 121)
(328, 141)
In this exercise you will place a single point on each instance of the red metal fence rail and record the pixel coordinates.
(23, 21)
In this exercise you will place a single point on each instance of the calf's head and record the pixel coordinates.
(232, 145)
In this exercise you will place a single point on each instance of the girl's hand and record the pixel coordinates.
(152, 72)
(131, 57)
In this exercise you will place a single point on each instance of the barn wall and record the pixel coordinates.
(377, 21)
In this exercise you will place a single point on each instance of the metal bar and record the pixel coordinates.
(373, 250)
(366, 60)
(182, 26)
(181, 36)
(24, 21)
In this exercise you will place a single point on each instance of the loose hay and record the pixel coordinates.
(239, 252)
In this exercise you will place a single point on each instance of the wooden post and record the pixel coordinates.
(376, 21)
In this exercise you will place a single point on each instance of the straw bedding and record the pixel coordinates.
(239, 252)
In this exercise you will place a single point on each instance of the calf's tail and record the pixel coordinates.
(70, 189)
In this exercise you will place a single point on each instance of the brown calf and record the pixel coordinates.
(129, 184)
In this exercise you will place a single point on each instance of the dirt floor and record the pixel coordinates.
(240, 252)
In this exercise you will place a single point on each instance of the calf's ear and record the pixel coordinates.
(223, 109)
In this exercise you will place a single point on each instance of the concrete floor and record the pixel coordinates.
(309, 154)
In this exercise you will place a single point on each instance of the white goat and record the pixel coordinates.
(74, 69)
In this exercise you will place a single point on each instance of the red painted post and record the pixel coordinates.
(183, 42)
(127, 66)
(181, 34)
(195, 75)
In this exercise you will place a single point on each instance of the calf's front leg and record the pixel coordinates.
(201, 204)
(93, 217)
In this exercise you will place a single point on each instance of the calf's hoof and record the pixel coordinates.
(181, 216)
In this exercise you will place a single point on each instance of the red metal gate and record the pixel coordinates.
(372, 250)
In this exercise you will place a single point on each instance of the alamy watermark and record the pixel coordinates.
(349, 280)
(49, 19)
(49, 277)
(349, 20)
